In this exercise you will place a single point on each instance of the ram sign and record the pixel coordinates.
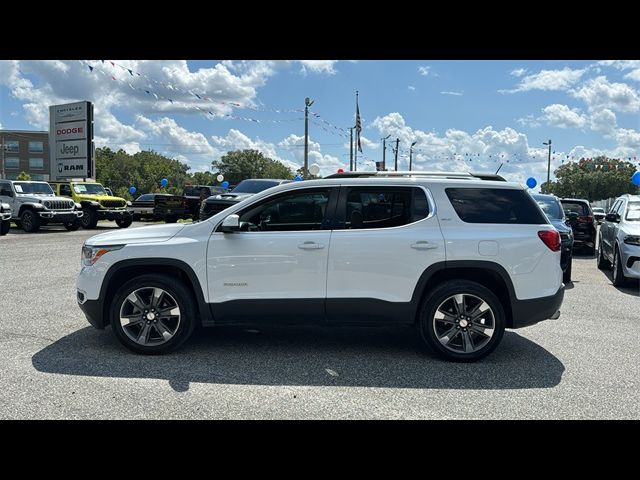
(71, 141)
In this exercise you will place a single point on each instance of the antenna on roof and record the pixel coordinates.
(499, 168)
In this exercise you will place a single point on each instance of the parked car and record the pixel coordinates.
(551, 206)
(109, 192)
(158, 206)
(460, 258)
(33, 204)
(619, 240)
(5, 218)
(96, 203)
(245, 189)
(194, 195)
(598, 213)
(580, 216)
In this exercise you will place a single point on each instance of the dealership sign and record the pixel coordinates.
(71, 141)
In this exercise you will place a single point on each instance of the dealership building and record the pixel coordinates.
(24, 151)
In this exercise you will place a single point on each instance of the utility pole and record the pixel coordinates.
(384, 153)
(411, 154)
(2, 147)
(351, 149)
(548, 163)
(305, 170)
(396, 152)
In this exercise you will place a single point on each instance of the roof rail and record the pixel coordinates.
(388, 174)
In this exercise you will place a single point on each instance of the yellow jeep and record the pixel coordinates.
(96, 203)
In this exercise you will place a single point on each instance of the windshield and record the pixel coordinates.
(35, 188)
(254, 186)
(551, 208)
(633, 212)
(89, 189)
(598, 210)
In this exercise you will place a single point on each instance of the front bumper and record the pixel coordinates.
(630, 259)
(94, 311)
(61, 217)
(528, 312)
(113, 214)
(5, 216)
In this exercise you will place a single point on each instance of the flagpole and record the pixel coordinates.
(355, 161)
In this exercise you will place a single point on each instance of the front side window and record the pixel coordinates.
(65, 190)
(614, 207)
(294, 211)
(384, 207)
(36, 163)
(36, 147)
(495, 205)
(254, 186)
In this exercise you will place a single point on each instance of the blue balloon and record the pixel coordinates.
(531, 182)
(132, 190)
(164, 182)
(635, 178)
(225, 184)
(297, 178)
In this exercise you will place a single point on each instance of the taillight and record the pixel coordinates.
(585, 219)
(551, 239)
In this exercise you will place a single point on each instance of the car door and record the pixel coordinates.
(7, 195)
(275, 268)
(615, 227)
(384, 238)
(608, 232)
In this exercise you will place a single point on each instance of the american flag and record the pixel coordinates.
(358, 127)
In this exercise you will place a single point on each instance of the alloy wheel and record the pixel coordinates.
(150, 316)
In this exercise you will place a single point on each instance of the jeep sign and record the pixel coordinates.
(71, 141)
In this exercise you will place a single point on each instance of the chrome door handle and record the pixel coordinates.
(422, 245)
(310, 246)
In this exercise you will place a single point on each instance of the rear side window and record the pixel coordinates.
(575, 207)
(384, 207)
(495, 205)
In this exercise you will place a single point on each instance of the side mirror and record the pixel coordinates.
(612, 217)
(230, 224)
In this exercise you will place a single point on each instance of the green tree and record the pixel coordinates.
(592, 178)
(310, 177)
(240, 164)
(23, 176)
(204, 178)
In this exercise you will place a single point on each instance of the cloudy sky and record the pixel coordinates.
(464, 115)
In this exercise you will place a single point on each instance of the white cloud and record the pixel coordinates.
(604, 122)
(562, 116)
(633, 75)
(319, 66)
(424, 70)
(457, 94)
(529, 121)
(600, 93)
(411, 87)
(548, 80)
(328, 163)
(518, 72)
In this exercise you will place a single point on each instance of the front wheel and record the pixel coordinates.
(461, 321)
(125, 222)
(4, 227)
(89, 218)
(153, 314)
(619, 280)
(72, 226)
(30, 221)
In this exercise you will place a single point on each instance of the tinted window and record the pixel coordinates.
(550, 207)
(620, 209)
(145, 198)
(291, 212)
(384, 207)
(575, 207)
(254, 186)
(65, 190)
(633, 212)
(614, 207)
(495, 205)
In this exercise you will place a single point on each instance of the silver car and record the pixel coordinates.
(619, 241)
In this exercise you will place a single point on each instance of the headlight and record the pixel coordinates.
(632, 240)
(90, 255)
(129, 203)
(47, 204)
(94, 204)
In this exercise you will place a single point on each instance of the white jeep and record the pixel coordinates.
(459, 256)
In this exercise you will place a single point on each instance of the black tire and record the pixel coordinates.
(601, 261)
(73, 226)
(185, 301)
(618, 278)
(440, 294)
(89, 218)
(125, 222)
(171, 219)
(30, 221)
(4, 227)
(566, 275)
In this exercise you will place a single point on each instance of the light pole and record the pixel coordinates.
(395, 151)
(548, 162)
(384, 152)
(307, 104)
(411, 154)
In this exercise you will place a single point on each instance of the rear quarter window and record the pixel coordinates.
(495, 205)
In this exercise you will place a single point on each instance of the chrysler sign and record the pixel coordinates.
(71, 141)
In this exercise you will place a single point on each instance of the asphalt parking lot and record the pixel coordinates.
(54, 365)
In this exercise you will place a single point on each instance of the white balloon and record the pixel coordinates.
(220, 178)
(314, 169)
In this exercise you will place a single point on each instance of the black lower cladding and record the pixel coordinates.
(528, 312)
(93, 310)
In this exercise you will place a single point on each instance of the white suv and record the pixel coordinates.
(460, 257)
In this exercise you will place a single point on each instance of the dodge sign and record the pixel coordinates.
(71, 141)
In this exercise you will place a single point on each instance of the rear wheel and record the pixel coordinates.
(619, 280)
(461, 321)
(601, 261)
(566, 275)
(153, 314)
(89, 218)
(125, 222)
(30, 221)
